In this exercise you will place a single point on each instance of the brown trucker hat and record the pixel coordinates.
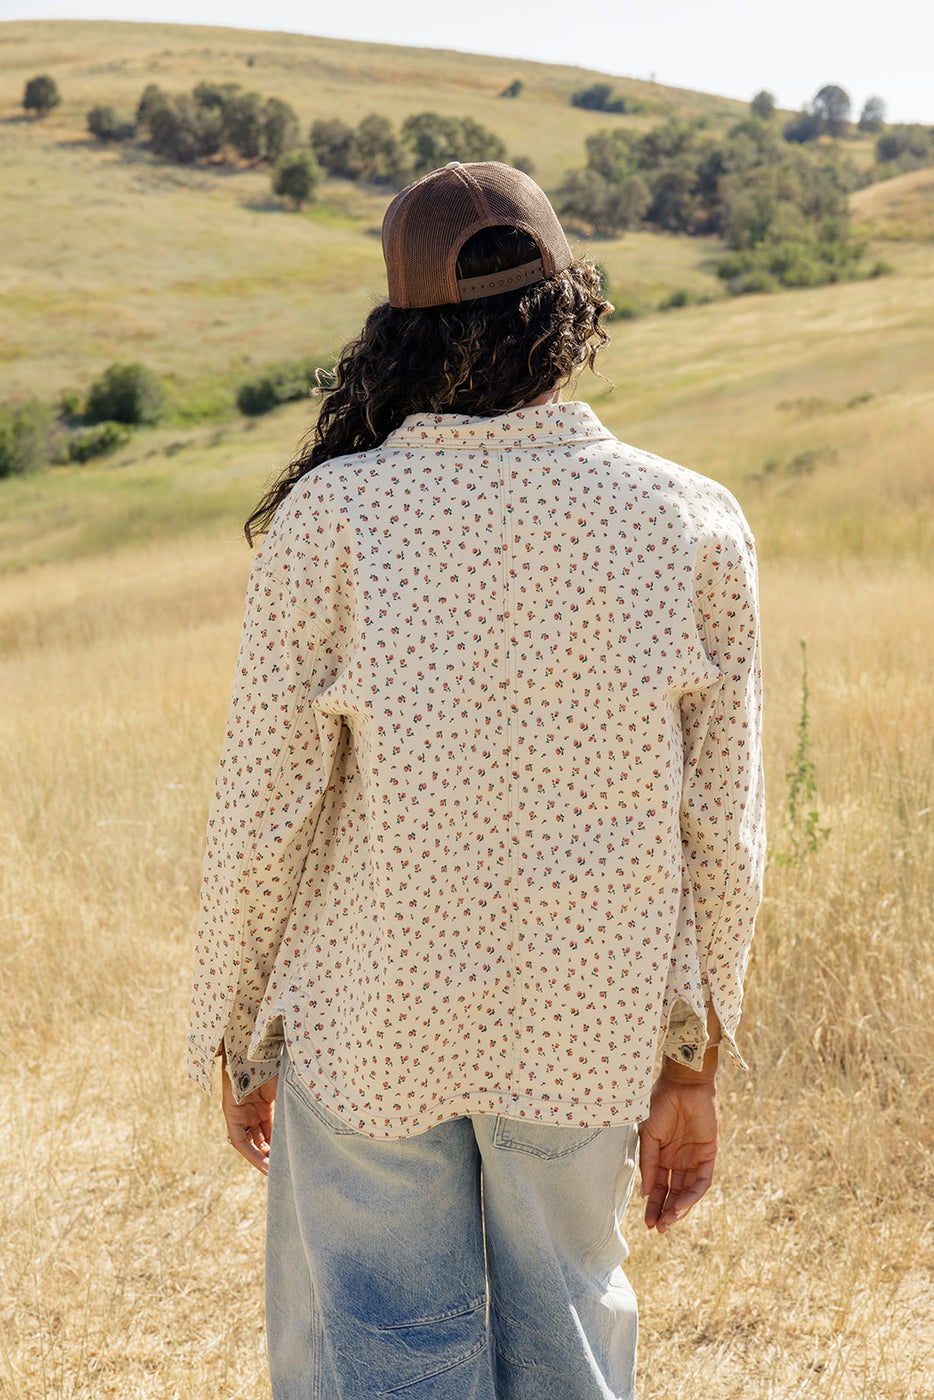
(428, 223)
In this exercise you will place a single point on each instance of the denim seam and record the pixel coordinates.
(295, 1083)
(442, 1370)
(526, 1365)
(438, 1317)
(586, 1258)
(532, 1151)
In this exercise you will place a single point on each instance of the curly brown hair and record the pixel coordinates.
(480, 358)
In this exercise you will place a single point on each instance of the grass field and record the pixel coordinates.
(131, 1235)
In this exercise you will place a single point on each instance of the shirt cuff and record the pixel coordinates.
(246, 1075)
(686, 1038)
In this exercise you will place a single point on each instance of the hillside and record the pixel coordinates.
(132, 1240)
(112, 254)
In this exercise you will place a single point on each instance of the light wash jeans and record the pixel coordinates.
(388, 1273)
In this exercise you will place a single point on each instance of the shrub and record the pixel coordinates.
(333, 144)
(280, 128)
(243, 124)
(763, 105)
(513, 89)
(435, 140)
(26, 437)
(69, 406)
(377, 155)
(681, 296)
(584, 197)
(812, 261)
(97, 441)
(599, 98)
(213, 97)
(627, 308)
(477, 142)
(802, 128)
(152, 97)
(296, 177)
(282, 383)
(611, 153)
(180, 130)
(128, 393)
(755, 280)
(872, 117)
(831, 106)
(906, 147)
(104, 123)
(675, 201)
(41, 94)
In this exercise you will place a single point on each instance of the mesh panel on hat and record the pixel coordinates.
(429, 222)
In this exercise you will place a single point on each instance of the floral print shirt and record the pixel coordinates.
(488, 823)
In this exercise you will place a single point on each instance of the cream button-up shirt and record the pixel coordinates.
(488, 822)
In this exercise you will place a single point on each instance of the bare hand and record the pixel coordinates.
(249, 1124)
(677, 1147)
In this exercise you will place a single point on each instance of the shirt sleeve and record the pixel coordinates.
(273, 773)
(722, 806)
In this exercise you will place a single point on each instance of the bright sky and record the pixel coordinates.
(731, 47)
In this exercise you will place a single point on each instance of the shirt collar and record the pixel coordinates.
(544, 425)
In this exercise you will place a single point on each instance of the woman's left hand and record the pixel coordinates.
(249, 1124)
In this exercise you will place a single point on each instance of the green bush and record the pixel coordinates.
(41, 94)
(677, 298)
(599, 98)
(282, 383)
(332, 141)
(296, 177)
(97, 441)
(811, 262)
(280, 128)
(69, 406)
(609, 207)
(128, 393)
(104, 123)
(27, 437)
(434, 140)
(377, 155)
(626, 308)
(152, 97)
(763, 105)
(181, 131)
(755, 280)
(802, 128)
(872, 117)
(243, 124)
(905, 147)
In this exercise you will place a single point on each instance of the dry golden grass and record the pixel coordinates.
(131, 1234)
(899, 209)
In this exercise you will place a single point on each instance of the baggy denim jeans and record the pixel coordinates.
(479, 1260)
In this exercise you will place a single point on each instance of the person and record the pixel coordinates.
(487, 834)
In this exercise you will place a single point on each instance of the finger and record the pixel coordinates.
(254, 1148)
(648, 1162)
(656, 1202)
(691, 1190)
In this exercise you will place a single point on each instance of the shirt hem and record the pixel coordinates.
(548, 1111)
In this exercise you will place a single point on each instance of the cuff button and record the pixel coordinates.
(244, 1082)
(687, 1052)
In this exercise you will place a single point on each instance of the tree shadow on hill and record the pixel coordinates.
(265, 204)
